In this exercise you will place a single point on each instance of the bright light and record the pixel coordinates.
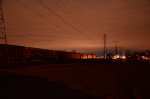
(98, 57)
(123, 57)
(116, 57)
(84, 56)
(144, 57)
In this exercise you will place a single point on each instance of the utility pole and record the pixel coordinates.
(116, 47)
(3, 38)
(120, 51)
(104, 51)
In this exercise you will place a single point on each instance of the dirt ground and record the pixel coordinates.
(112, 81)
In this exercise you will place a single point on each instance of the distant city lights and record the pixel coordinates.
(119, 57)
(116, 57)
(144, 57)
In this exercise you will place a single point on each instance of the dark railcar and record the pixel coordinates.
(73, 55)
(60, 55)
(16, 53)
(13, 53)
(37, 54)
(3, 52)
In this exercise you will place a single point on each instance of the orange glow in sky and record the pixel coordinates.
(78, 24)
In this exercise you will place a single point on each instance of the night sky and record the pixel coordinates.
(78, 24)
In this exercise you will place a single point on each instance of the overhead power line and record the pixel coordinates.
(72, 15)
(61, 18)
(46, 19)
(81, 17)
(40, 15)
(65, 9)
(75, 14)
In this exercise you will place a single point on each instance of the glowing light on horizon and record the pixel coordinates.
(116, 57)
(123, 57)
(144, 57)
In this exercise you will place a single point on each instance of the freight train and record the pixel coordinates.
(16, 53)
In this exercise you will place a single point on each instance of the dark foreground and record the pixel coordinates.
(76, 81)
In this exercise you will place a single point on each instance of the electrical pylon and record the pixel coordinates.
(3, 38)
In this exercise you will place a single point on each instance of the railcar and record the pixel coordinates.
(88, 56)
(73, 55)
(13, 53)
(61, 56)
(37, 54)
(16, 53)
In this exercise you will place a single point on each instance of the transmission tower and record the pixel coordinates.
(2, 26)
(3, 38)
(105, 50)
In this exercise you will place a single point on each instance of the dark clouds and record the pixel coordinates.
(30, 23)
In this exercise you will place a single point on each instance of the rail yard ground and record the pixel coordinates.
(85, 80)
